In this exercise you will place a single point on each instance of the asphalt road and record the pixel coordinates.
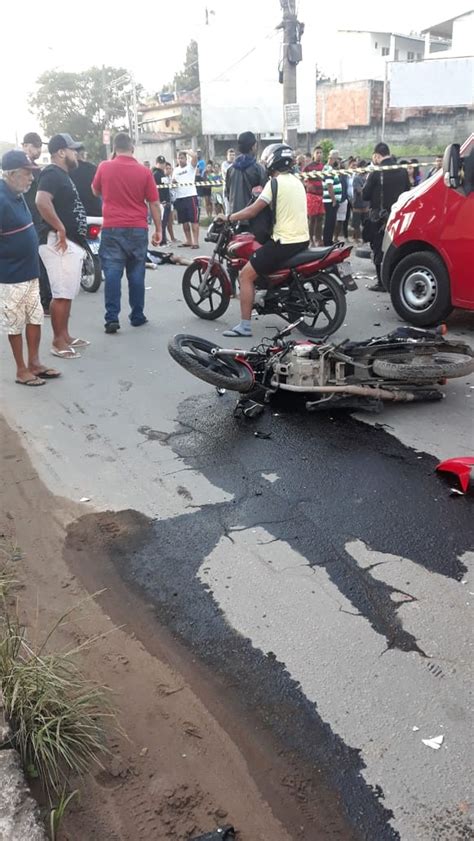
(326, 566)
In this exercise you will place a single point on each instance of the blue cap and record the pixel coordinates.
(16, 159)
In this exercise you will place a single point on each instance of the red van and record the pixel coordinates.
(428, 264)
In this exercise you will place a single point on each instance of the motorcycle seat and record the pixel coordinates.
(306, 256)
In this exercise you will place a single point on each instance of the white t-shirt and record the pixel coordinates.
(184, 175)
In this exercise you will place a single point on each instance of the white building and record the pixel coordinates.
(363, 55)
(457, 32)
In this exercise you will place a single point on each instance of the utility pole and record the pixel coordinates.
(292, 55)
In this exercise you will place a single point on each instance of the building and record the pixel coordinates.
(364, 54)
(457, 33)
(176, 117)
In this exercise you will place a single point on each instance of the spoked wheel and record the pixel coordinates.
(91, 276)
(327, 307)
(427, 367)
(195, 355)
(213, 301)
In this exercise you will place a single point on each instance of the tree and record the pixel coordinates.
(188, 78)
(82, 104)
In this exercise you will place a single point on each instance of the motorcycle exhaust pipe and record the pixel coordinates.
(359, 390)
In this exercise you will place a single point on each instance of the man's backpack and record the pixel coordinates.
(261, 226)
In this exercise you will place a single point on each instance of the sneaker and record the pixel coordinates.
(139, 323)
(112, 327)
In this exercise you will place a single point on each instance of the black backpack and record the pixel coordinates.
(261, 226)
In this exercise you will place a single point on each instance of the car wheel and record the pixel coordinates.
(420, 289)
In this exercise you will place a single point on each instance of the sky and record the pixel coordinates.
(101, 34)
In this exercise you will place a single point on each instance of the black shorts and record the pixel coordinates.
(187, 209)
(271, 255)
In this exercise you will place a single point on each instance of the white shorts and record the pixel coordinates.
(64, 269)
(341, 211)
(20, 304)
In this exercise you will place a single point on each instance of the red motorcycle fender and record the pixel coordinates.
(247, 364)
(216, 271)
(463, 468)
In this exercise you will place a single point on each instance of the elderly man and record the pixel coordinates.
(20, 304)
(62, 238)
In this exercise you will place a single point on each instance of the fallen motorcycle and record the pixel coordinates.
(310, 287)
(404, 366)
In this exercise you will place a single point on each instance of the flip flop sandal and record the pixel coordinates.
(185, 245)
(69, 353)
(194, 247)
(33, 382)
(79, 343)
(48, 374)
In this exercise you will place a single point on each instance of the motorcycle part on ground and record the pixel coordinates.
(419, 367)
(91, 276)
(224, 833)
(195, 355)
(213, 301)
(463, 468)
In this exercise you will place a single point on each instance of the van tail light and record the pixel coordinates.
(93, 231)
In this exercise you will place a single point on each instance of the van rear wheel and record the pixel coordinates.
(420, 289)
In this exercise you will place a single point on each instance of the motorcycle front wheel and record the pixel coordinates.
(215, 299)
(195, 355)
(91, 276)
(326, 310)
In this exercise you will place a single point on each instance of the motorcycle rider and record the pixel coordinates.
(290, 230)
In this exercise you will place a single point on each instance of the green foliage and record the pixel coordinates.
(326, 145)
(57, 814)
(408, 150)
(188, 78)
(57, 716)
(82, 104)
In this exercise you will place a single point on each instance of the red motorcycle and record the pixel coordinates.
(309, 288)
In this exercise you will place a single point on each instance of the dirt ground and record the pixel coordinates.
(188, 762)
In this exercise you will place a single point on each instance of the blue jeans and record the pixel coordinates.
(124, 249)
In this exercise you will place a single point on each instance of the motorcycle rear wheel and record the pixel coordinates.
(91, 274)
(328, 307)
(209, 306)
(195, 355)
(438, 365)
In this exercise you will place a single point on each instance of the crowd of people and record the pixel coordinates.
(43, 223)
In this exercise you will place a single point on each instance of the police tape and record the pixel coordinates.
(312, 175)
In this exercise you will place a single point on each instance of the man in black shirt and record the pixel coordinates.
(32, 146)
(83, 177)
(245, 174)
(62, 235)
(381, 190)
(161, 178)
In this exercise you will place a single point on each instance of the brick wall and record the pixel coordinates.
(341, 106)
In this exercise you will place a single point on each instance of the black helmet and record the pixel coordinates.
(278, 156)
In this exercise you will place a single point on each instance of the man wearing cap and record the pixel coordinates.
(32, 146)
(162, 181)
(20, 304)
(332, 195)
(128, 190)
(62, 236)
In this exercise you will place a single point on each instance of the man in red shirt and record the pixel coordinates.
(126, 186)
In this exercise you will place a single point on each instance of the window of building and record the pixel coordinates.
(397, 54)
(419, 56)
(376, 45)
(410, 56)
(385, 50)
